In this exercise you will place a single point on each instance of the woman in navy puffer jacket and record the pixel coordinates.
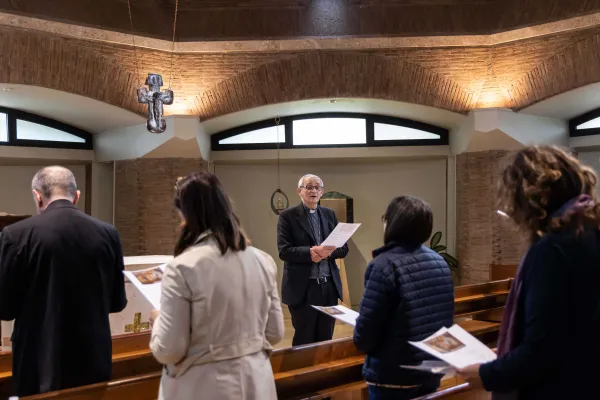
(409, 295)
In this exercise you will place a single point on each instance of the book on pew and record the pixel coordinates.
(455, 347)
(342, 313)
(148, 281)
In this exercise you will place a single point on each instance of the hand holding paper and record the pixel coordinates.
(322, 251)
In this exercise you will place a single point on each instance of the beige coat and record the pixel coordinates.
(220, 316)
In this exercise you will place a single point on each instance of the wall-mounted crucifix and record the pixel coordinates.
(155, 100)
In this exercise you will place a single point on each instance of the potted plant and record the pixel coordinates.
(435, 245)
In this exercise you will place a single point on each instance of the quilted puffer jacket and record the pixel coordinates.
(409, 295)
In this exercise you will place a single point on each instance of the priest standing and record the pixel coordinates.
(60, 277)
(310, 275)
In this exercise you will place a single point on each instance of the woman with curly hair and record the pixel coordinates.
(549, 345)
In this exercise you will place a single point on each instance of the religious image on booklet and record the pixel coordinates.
(148, 282)
(331, 311)
(342, 313)
(444, 343)
(149, 276)
(455, 347)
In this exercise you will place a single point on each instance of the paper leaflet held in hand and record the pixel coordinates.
(148, 282)
(455, 347)
(340, 235)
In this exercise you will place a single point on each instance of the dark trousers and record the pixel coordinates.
(383, 393)
(310, 325)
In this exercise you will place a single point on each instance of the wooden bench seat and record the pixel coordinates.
(143, 387)
(316, 371)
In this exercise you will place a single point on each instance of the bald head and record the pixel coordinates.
(53, 183)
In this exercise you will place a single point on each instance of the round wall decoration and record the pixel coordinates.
(279, 201)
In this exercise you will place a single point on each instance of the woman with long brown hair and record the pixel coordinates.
(549, 343)
(220, 309)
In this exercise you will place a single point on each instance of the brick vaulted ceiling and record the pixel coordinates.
(459, 77)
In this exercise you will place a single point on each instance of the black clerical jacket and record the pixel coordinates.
(294, 240)
(60, 277)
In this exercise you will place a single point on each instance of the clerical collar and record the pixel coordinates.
(309, 209)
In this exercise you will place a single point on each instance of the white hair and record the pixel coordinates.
(309, 176)
(54, 181)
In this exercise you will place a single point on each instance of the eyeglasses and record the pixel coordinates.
(310, 188)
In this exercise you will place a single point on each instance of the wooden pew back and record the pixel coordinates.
(315, 371)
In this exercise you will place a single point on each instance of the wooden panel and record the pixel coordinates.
(139, 388)
(466, 292)
(317, 371)
(266, 19)
(498, 272)
(6, 220)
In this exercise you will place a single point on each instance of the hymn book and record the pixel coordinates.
(455, 347)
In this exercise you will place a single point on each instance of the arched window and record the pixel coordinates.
(330, 130)
(18, 128)
(586, 124)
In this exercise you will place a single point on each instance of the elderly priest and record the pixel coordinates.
(60, 277)
(310, 275)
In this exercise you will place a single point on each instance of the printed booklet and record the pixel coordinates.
(455, 347)
(148, 281)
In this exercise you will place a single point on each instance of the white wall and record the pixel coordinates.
(103, 191)
(371, 184)
(592, 159)
(16, 197)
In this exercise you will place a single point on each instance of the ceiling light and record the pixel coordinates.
(6, 89)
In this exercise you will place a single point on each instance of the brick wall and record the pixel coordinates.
(144, 213)
(482, 236)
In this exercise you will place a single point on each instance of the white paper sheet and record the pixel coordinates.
(433, 366)
(457, 347)
(342, 313)
(149, 282)
(137, 260)
(340, 235)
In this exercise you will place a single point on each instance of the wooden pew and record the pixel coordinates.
(316, 371)
(501, 271)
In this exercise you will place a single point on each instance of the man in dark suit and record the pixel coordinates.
(61, 274)
(310, 275)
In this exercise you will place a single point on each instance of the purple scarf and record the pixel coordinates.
(509, 317)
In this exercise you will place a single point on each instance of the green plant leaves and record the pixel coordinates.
(435, 239)
(435, 245)
(452, 262)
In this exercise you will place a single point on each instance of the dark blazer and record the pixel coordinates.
(61, 274)
(409, 295)
(557, 323)
(294, 240)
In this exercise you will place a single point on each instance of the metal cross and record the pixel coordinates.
(155, 100)
(137, 325)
